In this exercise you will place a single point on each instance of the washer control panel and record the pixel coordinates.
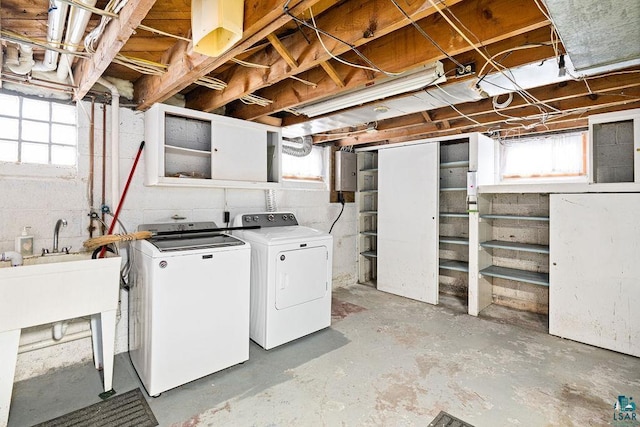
(269, 219)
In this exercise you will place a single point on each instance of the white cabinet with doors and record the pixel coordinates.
(192, 148)
(595, 270)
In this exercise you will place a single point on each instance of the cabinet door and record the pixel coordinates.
(239, 153)
(407, 221)
(594, 284)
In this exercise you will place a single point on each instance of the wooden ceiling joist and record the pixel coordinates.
(282, 50)
(87, 72)
(262, 17)
(495, 26)
(331, 72)
(362, 16)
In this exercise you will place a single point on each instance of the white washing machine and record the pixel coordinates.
(290, 277)
(188, 304)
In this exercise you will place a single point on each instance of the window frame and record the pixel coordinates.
(545, 178)
(19, 166)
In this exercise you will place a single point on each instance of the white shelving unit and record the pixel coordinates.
(453, 221)
(511, 247)
(367, 207)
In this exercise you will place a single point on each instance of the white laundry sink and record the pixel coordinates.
(53, 288)
(50, 288)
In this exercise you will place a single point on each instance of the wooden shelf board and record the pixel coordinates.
(454, 189)
(515, 274)
(172, 149)
(369, 233)
(516, 246)
(454, 214)
(369, 170)
(368, 212)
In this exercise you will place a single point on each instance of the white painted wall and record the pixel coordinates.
(46, 194)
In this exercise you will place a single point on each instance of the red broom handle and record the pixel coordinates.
(124, 194)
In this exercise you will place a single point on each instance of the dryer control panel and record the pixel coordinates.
(269, 219)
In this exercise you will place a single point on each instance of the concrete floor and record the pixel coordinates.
(386, 361)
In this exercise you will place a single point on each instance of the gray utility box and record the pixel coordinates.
(345, 176)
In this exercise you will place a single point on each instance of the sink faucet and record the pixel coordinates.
(60, 222)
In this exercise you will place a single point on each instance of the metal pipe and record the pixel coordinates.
(91, 162)
(115, 143)
(57, 17)
(78, 21)
(50, 342)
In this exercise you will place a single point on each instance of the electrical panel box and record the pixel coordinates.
(345, 171)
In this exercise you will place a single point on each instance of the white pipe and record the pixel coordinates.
(57, 17)
(50, 342)
(78, 21)
(115, 144)
(25, 61)
(14, 257)
(59, 329)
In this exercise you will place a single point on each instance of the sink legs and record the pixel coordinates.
(103, 335)
(8, 357)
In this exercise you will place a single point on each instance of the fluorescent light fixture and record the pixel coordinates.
(408, 82)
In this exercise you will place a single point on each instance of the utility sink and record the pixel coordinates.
(52, 288)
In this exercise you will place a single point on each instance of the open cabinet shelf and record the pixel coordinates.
(367, 207)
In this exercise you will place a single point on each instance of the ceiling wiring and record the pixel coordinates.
(111, 11)
(252, 99)
(371, 66)
(425, 35)
(307, 82)
(211, 83)
(140, 65)
(249, 64)
(14, 37)
(162, 33)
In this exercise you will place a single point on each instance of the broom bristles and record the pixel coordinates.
(108, 239)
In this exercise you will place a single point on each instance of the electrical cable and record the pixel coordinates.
(425, 35)
(341, 200)
(372, 66)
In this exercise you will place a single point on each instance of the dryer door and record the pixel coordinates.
(301, 276)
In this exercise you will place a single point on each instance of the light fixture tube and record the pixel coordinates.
(425, 76)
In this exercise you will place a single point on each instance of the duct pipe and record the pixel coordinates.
(78, 21)
(298, 151)
(25, 61)
(115, 143)
(57, 17)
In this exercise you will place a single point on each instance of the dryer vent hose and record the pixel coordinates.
(270, 196)
(302, 147)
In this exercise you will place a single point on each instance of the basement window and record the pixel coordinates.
(306, 171)
(34, 131)
(557, 157)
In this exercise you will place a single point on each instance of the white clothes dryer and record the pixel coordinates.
(291, 270)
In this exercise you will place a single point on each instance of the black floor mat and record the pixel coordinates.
(129, 409)
(446, 420)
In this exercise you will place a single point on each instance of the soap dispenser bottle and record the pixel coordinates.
(24, 243)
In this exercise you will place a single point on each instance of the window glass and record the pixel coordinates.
(8, 151)
(61, 155)
(553, 156)
(308, 168)
(9, 128)
(9, 105)
(63, 114)
(35, 109)
(63, 134)
(37, 131)
(35, 153)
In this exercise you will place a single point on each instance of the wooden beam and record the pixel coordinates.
(87, 72)
(262, 17)
(331, 72)
(496, 23)
(367, 21)
(282, 50)
(577, 106)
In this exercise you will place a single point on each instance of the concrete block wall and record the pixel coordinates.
(39, 199)
(613, 144)
(523, 296)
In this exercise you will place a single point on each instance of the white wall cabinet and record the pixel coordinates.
(191, 148)
(595, 270)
